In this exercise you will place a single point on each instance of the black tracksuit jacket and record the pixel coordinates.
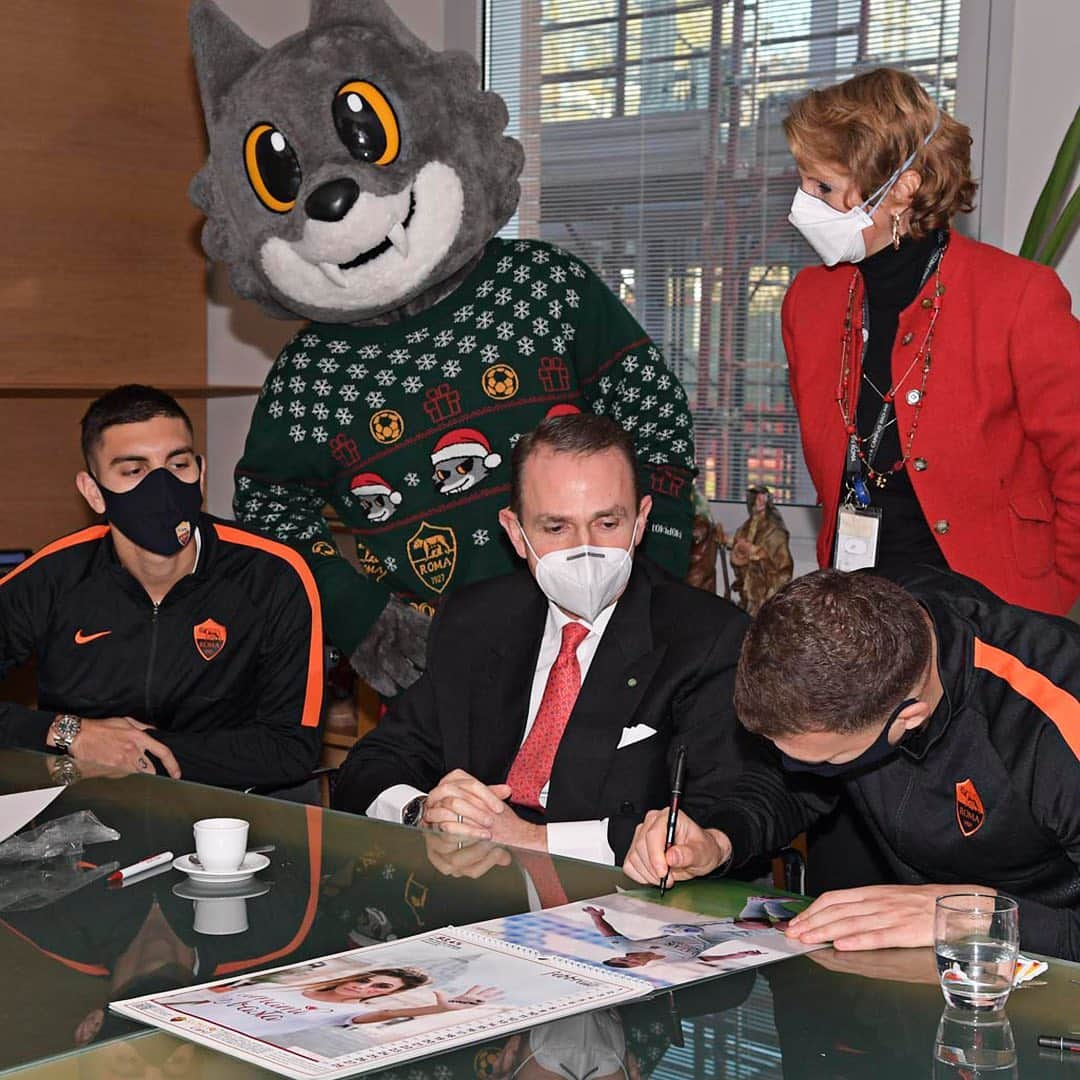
(987, 792)
(228, 668)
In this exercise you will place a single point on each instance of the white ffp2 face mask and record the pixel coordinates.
(837, 235)
(584, 580)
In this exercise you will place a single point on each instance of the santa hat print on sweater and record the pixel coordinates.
(370, 483)
(465, 442)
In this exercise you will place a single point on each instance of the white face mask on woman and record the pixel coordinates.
(584, 580)
(837, 235)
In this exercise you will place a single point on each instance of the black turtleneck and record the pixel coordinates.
(893, 278)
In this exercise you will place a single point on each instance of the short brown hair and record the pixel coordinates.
(830, 652)
(869, 125)
(572, 433)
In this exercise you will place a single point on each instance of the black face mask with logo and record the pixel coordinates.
(159, 513)
(877, 753)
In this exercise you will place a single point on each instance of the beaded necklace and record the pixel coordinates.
(861, 450)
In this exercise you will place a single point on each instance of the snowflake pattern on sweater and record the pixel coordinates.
(406, 430)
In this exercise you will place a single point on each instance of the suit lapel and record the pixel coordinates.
(619, 675)
(500, 699)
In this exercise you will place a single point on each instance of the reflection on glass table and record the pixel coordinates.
(334, 882)
(339, 881)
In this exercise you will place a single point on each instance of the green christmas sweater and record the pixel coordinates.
(406, 430)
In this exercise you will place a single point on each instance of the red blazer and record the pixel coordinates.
(999, 430)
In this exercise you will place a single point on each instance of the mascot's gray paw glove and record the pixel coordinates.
(392, 655)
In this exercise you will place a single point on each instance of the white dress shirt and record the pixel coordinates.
(575, 839)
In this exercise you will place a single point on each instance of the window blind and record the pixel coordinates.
(654, 151)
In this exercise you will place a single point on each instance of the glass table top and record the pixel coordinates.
(338, 881)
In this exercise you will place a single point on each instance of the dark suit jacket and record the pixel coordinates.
(667, 659)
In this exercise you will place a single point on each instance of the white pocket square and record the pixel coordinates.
(635, 733)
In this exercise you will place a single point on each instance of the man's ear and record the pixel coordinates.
(914, 715)
(202, 476)
(512, 527)
(89, 490)
(644, 509)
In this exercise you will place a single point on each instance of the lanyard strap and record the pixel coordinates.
(852, 463)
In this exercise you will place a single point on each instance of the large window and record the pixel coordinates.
(655, 151)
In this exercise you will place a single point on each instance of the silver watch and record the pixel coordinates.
(413, 810)
(66, 731)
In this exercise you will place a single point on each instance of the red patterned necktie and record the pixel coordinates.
(532, 766)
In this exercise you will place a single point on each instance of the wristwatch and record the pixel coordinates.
(413, 811)
(63, 770)
(65, 730)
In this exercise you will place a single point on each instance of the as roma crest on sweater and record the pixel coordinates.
(210, 638)
(970, 812)
(433, 555)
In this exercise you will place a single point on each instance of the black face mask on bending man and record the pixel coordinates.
(159, 513)
(877, 753)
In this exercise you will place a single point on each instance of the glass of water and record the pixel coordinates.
(976, 939)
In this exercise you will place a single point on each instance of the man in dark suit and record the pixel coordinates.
(555, 698)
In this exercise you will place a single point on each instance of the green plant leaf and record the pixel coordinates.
(1062, 230)
(1053, 190)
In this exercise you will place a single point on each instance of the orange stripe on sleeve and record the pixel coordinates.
(314, 692)
(314, 840)
(75, 965)
(84, 536)
(1059, 705)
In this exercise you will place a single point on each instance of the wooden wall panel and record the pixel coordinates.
(99, 269)
(40, 501)
(101, 276)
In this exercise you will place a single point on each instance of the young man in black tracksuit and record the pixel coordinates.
(951, 718)
(165, 639)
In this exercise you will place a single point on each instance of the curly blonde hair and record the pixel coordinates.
(869, 125)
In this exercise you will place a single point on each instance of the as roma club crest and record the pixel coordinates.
(183, 533)
(970, 812)
(209, 638)
(433, 554)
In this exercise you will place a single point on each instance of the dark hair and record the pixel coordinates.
(830, 652)
(572, 433)
(128, 404)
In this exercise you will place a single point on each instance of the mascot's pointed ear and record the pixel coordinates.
(223, 52)
(376, 14)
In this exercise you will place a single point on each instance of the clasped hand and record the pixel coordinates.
(123, 743)
(464, 806)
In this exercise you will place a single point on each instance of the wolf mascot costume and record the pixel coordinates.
(357, 178)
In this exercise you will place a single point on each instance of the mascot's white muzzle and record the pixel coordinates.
(382, 247)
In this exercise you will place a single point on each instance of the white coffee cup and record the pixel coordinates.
(221, 843)
(224, 916)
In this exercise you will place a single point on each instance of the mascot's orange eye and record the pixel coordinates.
(272, 168)
(366, 123)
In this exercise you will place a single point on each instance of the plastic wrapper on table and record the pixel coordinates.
(35, 885)
(68, 835)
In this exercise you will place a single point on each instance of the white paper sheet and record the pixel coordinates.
(16, 810)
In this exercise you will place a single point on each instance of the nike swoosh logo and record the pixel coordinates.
(85, 639)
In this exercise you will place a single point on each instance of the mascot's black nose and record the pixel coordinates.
(333, 200)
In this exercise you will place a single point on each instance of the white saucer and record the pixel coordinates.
(230, 890)
(252, 864)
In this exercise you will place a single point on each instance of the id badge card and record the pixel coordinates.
(857, 531)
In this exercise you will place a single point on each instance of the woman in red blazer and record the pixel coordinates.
(936, 379)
